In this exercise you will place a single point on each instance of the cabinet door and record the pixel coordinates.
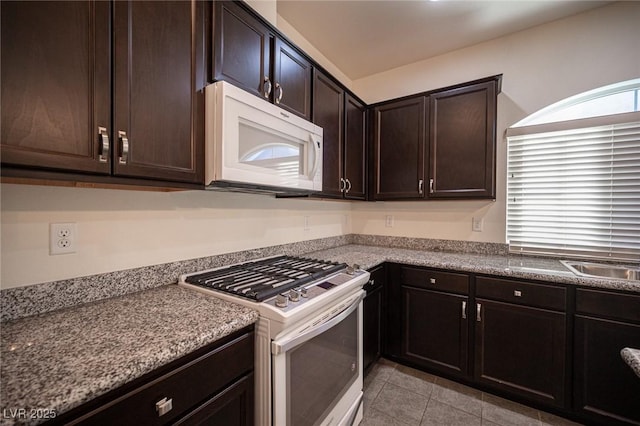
(355, 142)
(231, 407)
(328, 113)
(435, 330)
(242, 49)
(463, 142)
(373, 317)
(399, 144)
(56, 85)
(158, 98)
(292, 77)
(521, 350)
(605, 387)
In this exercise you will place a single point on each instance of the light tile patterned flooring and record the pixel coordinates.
(399, 395)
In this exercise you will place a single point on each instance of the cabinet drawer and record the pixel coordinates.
(187, 386)
(538, 295)
(608, 304)
(435, 280)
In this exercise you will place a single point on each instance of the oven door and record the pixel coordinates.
(317, 368)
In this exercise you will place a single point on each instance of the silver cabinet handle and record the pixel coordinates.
(432, 280)
(267, 86)
(348, 186)
(280, 93)
(164, 406)
(420, 184)
(478, 309)
(430, 186)
(517, 293)
(464, 309)
(124, 147)
(343, 184)
(103, 136)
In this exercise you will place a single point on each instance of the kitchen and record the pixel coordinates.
(119, 229)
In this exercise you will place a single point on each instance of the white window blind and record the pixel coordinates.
(574, 188)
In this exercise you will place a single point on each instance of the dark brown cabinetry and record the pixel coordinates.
(462, 142)
(374, 324)
(399, 149)
(355, 149)
(605, 388)
(56, 87)
(159, 75)
(213, 386)
(439, 144)
(520, 338)
(342, 118)
(249, 54)
(430, 309)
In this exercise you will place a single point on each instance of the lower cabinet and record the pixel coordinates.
(605, 388)
(212, 386)
(520, 338)
(373, 317)
(433, 312)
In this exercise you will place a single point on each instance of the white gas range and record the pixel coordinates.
(308, 360)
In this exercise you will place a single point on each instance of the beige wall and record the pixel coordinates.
(541, 65)
(119, 229)
(126, 229)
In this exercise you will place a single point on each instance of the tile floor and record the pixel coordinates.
(399, 395)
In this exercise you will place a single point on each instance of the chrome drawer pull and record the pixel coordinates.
(104, 144)
(517, 293)
(267, 86)
(464, 309)
(124, 147)
(432, 280)
(478, 309)
(164, 406)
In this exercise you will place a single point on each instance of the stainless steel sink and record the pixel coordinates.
(603, 270)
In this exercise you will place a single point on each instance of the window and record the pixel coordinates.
(573, 186)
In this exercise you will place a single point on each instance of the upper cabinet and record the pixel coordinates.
(249, 54)
(462, 142)
(343, 120)
(399, 149)
(437, 145)
(159, 75)
(56, 85)
(58, 90)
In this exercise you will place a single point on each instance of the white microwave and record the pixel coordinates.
(254, 146)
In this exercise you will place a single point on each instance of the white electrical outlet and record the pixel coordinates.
(388, 221)
(476, 224)
(62, 238)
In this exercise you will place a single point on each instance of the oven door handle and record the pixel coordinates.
(288, 343)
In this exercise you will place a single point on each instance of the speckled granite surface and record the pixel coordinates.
(45, 297)
(494, 264)
(632, 357)
(62, 359)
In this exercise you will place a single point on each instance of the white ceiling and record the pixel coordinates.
(364, 37)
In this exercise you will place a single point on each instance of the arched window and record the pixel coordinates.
(573, 177)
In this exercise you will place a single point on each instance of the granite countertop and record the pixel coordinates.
(516, 266)
(632, 357)
(61, 359)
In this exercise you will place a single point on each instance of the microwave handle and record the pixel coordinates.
(316, 160)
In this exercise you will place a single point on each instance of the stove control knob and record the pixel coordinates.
(294, 295)
(282, 300)
(304, 292)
